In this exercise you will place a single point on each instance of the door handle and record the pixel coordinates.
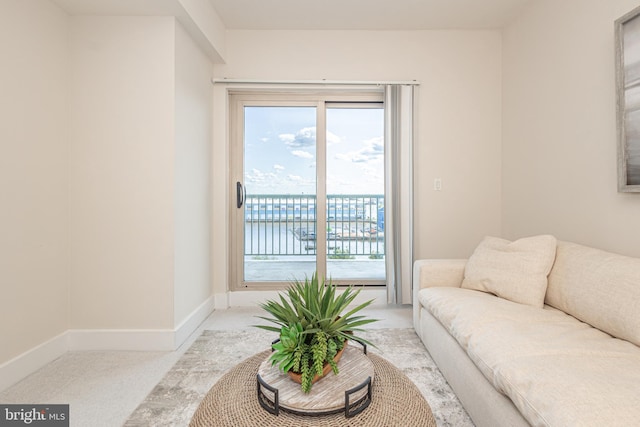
(240, 194)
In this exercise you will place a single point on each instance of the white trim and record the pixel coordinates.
(314, 82)
(30, 361)
(140, 339)
(191, 323)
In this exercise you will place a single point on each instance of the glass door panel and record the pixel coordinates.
(279, 217)
(355, 193)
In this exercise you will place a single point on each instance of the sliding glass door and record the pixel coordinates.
(307, 189)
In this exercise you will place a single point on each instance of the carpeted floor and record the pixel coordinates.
(174, 400)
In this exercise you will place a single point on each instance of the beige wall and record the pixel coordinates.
(205, 26)
(559, 133)
(192, 206)
(459, 115)
(140, 173)
(104, 177)
(105, 126)
(122, 172)
(34, 80)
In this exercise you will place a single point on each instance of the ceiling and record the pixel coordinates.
(366, 14)
(325, 14)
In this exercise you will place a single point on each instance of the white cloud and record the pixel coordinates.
(302, 154)
(299, 181)
(256, 176)
(374, 174)
(373, 150)
(305, 137)
(332, 138)
(278, 167)
(287, 138)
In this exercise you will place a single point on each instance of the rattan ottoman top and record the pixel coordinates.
(232, 401)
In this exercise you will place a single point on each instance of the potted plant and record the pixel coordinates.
(314, 326)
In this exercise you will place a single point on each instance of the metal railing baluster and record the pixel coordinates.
(274, 222)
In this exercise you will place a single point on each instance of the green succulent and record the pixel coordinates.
(288, 350)
(313, 326)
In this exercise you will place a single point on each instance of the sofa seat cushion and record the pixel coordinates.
(557, 370)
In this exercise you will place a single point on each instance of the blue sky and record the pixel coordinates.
(280, 150)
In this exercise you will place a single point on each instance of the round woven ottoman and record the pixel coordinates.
(233, 402)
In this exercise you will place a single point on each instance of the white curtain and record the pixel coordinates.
(398, 206)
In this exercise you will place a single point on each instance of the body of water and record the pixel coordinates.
(264, 239)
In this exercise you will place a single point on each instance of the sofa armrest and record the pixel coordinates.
(429, 273)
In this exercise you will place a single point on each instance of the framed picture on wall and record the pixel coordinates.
(627, 35)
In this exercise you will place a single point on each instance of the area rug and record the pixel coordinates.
(175, 399)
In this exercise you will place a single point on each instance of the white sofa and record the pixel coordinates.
(573, 361)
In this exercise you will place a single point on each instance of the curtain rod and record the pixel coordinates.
(316, 82)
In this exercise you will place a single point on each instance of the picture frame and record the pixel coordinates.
(627, 52)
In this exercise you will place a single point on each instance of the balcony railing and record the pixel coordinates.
(277, 224)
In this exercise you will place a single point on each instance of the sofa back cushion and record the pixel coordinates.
(597, 287)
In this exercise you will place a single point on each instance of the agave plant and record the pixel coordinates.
(313, 326)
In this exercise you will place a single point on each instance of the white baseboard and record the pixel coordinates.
(191, 323)
(140, 339)
(30, 361)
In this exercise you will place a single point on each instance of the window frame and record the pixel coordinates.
(322, 98)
